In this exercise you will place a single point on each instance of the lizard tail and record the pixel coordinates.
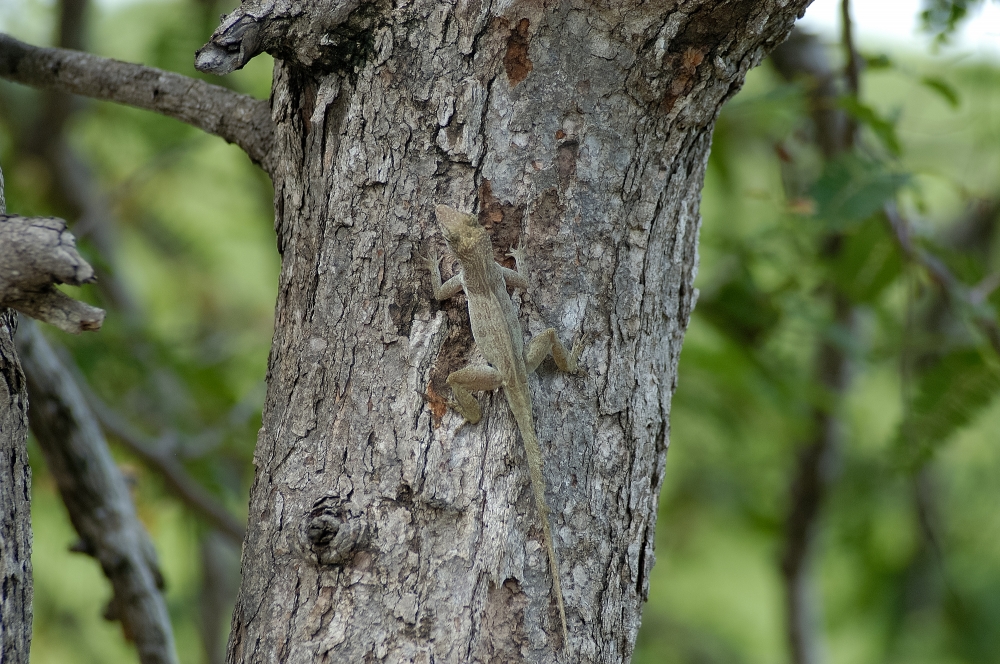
(534, 453)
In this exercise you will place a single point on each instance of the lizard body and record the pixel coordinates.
(497, 332)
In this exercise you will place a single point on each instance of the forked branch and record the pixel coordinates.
(35, 254)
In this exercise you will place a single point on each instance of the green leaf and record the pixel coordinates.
(852, 188)
(880, 61)
(948, 397)
(942, 17)
(868, 262)
(945, 90)
(884, 128)
(741, 310)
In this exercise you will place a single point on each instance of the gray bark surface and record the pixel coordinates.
(35, 253)
(15, 502)
(15, 496)
(379, 529)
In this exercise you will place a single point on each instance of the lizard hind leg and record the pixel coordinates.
(465, 381)
(548, 342)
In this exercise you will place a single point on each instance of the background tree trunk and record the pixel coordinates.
(379, 529)
(15, 496)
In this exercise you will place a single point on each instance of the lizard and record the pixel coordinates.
(497, 332)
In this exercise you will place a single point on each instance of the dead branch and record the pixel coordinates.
(35, 253)
(179, 482)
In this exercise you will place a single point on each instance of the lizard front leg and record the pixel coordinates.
(449, 288)
(548, 342)
(465, 381)
(516, 278)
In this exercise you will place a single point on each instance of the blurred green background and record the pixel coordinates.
(906, 544)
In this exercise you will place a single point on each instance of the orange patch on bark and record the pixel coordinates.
(436, 403)
(687, 65)
(516, 61)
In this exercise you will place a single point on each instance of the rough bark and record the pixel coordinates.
(97, 499)
(379, 529)
(15, 497)
(35, 253)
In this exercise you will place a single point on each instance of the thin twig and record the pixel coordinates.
(852, 71)
(180, 483)
(818, 458)
(942, 276)
(817, 464)
(237, 118)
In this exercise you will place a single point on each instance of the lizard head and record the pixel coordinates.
(461, 231)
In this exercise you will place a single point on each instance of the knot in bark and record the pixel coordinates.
(333, 533)
(323, 37)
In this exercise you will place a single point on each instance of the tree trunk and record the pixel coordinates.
(380, 529)
(15, 497)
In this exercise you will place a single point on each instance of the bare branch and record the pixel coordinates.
(313, 35)
(803, 55)
(943, 277)
(36, 252)
(97, 498)
(813, 476)
(180, 483)
(852, 68)
(220, 566)
(237, 118)
(74, 192)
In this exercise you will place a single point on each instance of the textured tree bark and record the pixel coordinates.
(35, 254)
(15, 497)
(379, 529)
